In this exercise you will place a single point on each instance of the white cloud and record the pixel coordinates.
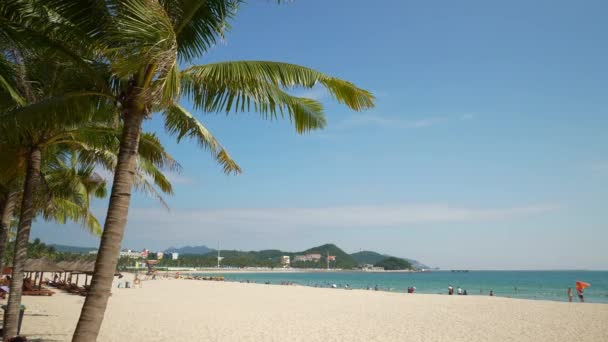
(363, 217)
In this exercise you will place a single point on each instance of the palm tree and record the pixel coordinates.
(8, 201)
(35, 149)
(145, 42)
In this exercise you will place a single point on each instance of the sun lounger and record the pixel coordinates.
(29, 290)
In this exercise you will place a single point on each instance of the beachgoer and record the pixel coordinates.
(450, 290)
(413, 289)
(570, 294)
(491, 293)
(579, 291)
(376, 287)
(459, 291)
(465, 292)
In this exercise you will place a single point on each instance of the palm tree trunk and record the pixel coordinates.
(95, 304)
(5, 224)
(32, 179)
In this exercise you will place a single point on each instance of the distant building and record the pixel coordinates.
(371, 268)
(285, 261)
(145, 253)
(331, 258)
(130, 254)
(308, 257)
(174, 256)
(160, 255)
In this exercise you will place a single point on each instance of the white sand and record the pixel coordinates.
(189, 310)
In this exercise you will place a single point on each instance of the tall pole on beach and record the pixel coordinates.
(218, 255)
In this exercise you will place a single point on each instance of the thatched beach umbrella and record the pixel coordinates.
(83, 267)
(68, 267)
(41, 265)
(86, 267)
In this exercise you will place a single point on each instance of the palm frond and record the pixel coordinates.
(143, 36)
(180, 122)
(199, 25)
(151, 150)
(145, 167)
(60, 111)
(7, 84)
(251, 75)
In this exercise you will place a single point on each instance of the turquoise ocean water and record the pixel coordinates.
(543, 285)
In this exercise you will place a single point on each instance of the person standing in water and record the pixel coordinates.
(570, 294)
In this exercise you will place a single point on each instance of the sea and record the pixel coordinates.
(538, 285)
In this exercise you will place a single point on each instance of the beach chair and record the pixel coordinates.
(29, 290)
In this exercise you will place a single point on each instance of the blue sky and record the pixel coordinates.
(487, 148)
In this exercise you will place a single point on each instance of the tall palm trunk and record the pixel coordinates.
(32, 179)
(5, 224)
(95, 304)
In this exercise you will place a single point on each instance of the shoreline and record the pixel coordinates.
(191, 270)
(385, 290)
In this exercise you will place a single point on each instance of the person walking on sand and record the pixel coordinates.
(491, 293)
(570, 294)
(450, 290)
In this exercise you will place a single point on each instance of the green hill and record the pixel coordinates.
(368, 257)
(272, 258)
(392, 264)
(343, 259)
(266, 258)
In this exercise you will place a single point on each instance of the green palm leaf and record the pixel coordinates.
(180, 122)
(260, 75)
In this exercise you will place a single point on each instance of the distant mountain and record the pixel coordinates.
(368, 257)
(417, 264)
(372, 258)
(343, 259)
(203, 256)
(73, 249)
(195, 250)
(393, 264)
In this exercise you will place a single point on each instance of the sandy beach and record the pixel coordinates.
(190, 310)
